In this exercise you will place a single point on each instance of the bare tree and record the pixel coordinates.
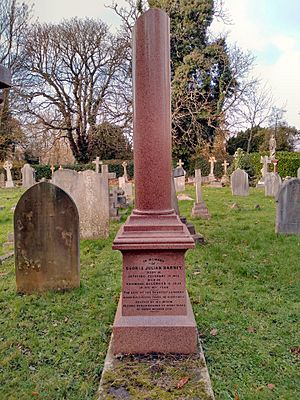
(254, 109)
(75, 69)
(14, 19)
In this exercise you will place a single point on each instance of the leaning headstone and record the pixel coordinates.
(272, 184)
(28, 176)
(288, 208)
(9, 182)
(89, 190)
(46, 227)
(199, 210)
(298, 173)
(239, 183)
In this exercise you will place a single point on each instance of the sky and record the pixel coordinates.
(269, 29)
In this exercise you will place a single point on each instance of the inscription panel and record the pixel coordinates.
(154, 284)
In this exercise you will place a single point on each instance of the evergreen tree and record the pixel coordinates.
(201, 75)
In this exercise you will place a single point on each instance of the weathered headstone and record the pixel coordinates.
(272, 184)
(199, 210)
(46, 227)
(239, 183)
(28, 176)
(113, 205)
(89, 190)
(288, 208)
(298, 173)
(9, 182)
(211, 175)
(154, 312)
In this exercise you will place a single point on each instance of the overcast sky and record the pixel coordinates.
(268, 28)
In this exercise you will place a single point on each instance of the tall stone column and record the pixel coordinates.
(154, 312)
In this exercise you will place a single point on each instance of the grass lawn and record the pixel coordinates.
(244, 287)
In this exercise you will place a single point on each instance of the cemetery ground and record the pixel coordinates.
(244, 288)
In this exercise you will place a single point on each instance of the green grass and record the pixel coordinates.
(244, 283)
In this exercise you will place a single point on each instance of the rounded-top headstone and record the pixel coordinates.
(46, 226)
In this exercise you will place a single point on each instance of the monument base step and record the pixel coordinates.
(162, 375)
(158, 334)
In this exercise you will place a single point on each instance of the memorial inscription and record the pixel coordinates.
(153, 285)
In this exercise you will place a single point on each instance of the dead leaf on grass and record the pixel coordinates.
(214, 332)
(236, 397)
(295, 351)
(251, 329)
(182, 382)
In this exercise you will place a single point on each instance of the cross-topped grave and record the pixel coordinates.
(52, 170)
(225, 178)
(8, 166)
(212, 160)
(199, 210)
(97, 162)
(265, 160)
(124, 165)
(179, 177)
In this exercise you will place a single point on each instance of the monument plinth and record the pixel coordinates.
(154, 312)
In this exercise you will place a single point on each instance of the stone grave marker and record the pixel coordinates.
(225, 178)
(154, 312)
(199, 210)
(28, 176)
(272, 184)
(46, 227)
(211, 176)
(97, 162)
(288, 208)
(239, 183)
(298, 173)
(9, 182)
(180, 180)
(89, 190)
(264, 160)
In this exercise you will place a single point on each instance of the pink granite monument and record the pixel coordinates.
(154, 312)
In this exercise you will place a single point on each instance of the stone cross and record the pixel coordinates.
(52, 170)
(180, 164)
(265, 161)
(212, 161)
(98, 163)
(272, 147)
(104, 171)
(124, 165)
(225, 165)
(8, 166)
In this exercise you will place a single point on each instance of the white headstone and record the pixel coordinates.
(298, 173)
(179, 181)
(9, 182)
(28, 176)
(211, 175)
(239, 183)
(199, 209)
(89, 190)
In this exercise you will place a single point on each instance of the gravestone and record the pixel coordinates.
(28, 176)
(288, 208)
(225, 178)
(239, 183)
(113, 205)
(298, 173)
(46, 226)
(272, 184)
(264, 160)
(199, 210)
(9, 182)
(179, 180)
(97, 162)
(211, 175)
(154, 312)
(89, 190)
